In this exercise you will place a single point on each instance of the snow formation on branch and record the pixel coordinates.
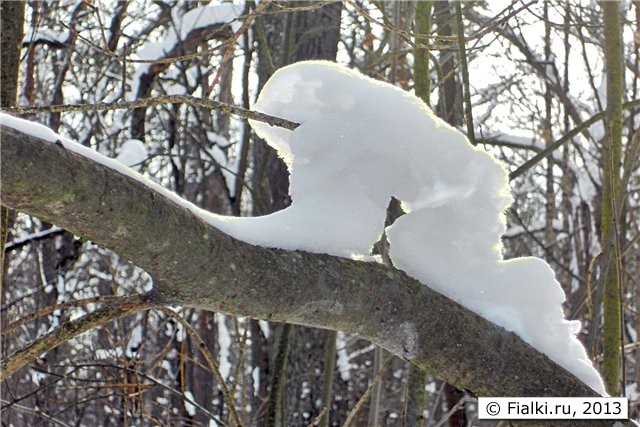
(362, 142)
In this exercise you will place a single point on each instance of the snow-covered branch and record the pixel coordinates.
(194, 264)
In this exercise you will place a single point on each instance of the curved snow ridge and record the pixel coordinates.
(361, 142)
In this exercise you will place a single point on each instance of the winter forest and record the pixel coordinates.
(389, 280)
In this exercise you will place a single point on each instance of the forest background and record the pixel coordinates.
(550, 88)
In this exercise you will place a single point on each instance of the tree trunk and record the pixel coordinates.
(422, 55)
(610, 237)
(450, 100)
(450, 109)
(302, 35)
(11, 17)
(329, 368)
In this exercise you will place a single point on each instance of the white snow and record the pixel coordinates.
(199, 17)
(361, 142)
(224, 344)
(255, 375)
(211, 14)
(188, 405)
(135, 339)
(264, 327)
(227, 168)
(132, 154)
(218, 139)
(343, 357)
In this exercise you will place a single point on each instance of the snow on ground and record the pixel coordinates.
(361, 142)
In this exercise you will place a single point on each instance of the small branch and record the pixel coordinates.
(202, 346)
(566, 137)
(456, 407)
(363, 399)
(37, 413)
(71, 329)
(232, 41)
(497, 142)
(51, 308)
(46, 234)
(160, 100)
(316, 420)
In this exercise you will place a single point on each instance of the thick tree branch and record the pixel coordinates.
(194, 264)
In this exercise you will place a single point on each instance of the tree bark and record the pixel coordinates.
(611, 163)
(11, 16)
(194, 264)
(422, 55)
(300, 35)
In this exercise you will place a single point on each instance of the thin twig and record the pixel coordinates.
(123, 307)
(566, 137)
(407, 35)
(202, 346)
(459, 405)
(363, 399)
(316, 420)
(59, 306)
(39, 413)
(160, 100)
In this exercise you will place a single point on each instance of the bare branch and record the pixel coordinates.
(121, 308)
(565, 138)
(202, 346)
(160, 100)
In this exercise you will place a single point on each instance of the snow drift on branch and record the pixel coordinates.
(362, 142)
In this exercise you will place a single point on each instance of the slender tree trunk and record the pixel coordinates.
(11, 17)
(275, 409)
(610, 238)
(450, 100)
(376, 394)
(330, 354)
(300, 36)
(421, 69)
(450, 109)
(547, 135)
(415, 397)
